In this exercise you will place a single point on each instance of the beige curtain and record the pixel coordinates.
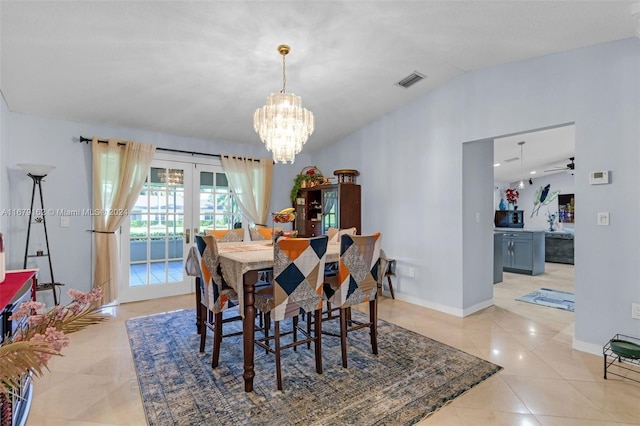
(119, 171)
(251, 183)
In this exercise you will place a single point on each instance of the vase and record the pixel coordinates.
(510, 205)
(502, 205)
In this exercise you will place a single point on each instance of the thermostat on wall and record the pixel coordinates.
(599, 178)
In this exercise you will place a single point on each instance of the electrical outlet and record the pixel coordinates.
(477, 217)
(412, 272)
(635, 311)
(64, 222)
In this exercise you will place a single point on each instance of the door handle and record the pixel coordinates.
(187, 235)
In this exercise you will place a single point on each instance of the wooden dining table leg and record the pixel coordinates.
(248, 328)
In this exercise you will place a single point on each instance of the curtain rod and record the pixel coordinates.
(179, 151)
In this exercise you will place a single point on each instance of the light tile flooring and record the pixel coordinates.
(544, 381)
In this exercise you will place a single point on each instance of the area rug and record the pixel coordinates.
(411, 377)
(551, 298)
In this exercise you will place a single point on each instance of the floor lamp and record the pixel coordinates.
(37, 172)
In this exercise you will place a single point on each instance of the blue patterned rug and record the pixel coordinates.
(551, 298)
(411, 377)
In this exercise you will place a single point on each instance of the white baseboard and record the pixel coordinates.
(444, 308)
(587, 347)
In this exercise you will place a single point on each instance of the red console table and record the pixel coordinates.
(18, 287)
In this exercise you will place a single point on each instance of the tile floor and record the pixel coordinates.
(544, 381)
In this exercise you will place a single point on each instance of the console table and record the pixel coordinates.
(18, 287)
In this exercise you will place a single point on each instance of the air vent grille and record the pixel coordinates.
(509, 160)
(411, 79)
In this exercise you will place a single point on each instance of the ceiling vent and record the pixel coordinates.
(508, 160)
(411, 79)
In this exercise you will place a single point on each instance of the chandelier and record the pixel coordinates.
(171, 176)
(283, 125)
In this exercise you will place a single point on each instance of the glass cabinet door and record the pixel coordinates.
(329, 208)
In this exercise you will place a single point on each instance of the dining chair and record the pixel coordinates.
(261, 233)
(298, 276)
(387, 270)
(331, 269)
(227, 235)
(336, 234)
(356, 282)
(216, 297)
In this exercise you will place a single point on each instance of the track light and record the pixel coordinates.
(530, 181)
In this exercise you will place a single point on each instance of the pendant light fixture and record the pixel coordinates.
(283, 125)
(521, 184)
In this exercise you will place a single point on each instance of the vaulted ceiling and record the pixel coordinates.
(201, 68)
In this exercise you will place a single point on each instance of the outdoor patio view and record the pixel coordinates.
(158, 217)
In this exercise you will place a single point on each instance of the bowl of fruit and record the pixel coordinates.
(284, 216)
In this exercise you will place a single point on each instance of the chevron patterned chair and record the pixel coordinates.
(356, 282)
(215, 296)
(298, 277)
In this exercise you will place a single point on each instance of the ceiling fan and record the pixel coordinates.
(571, 166)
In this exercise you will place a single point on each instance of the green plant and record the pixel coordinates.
(297, 183)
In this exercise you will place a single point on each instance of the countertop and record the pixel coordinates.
(517, 230)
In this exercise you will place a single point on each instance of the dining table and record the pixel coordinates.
(241, 263)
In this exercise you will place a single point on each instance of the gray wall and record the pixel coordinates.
(563, 182)
(477, 225)
(410, 162)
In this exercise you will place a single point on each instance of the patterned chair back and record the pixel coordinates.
(358, 270)
(335, 234)
(262, 233)
(227, 235)
(214, 293)
(298, 275)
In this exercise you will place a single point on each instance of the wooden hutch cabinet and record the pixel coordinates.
(324, 206)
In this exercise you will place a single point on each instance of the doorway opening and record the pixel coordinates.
(542, 172)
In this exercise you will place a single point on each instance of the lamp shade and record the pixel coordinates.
(36, 169)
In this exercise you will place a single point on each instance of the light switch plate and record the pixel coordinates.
(603, 218)
(64, 222)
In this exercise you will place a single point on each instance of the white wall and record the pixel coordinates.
(411, 174)
(49, 141)
(410, 162)
(4, 148)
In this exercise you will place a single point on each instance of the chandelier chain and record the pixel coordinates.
(284, 75)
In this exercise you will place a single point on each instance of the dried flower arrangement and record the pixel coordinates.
(44, 335)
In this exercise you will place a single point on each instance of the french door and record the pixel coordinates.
(178, 200)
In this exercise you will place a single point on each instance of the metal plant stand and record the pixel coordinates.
(40, 219)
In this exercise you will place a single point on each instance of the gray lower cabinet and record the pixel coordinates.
(497, 258)
(523, 252)
(558, 247)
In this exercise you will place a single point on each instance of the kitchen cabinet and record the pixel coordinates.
(323, 206)
(558, 247)
(523, 252)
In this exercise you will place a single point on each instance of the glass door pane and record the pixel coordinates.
(329, 209)
(155, 237)
(218, 208)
